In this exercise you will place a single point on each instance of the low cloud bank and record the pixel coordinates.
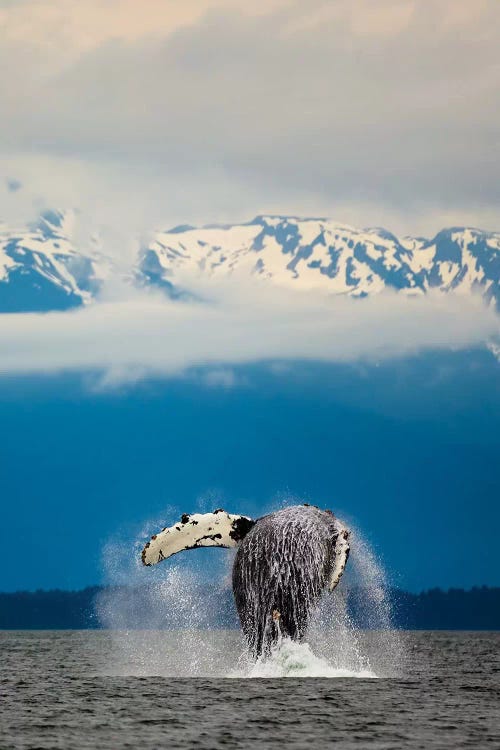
(151, 335)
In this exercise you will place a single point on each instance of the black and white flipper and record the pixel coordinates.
(217, 529)
(342, 548)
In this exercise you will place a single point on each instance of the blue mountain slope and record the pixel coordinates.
(407, 451)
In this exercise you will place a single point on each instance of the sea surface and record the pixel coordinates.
(102, 689)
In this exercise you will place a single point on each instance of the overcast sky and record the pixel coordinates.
(163, 112)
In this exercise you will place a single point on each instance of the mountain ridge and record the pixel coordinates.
(42, 268)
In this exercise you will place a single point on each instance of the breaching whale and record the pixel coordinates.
(285, 561)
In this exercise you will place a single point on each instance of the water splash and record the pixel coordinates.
(290, 658)
(350, 635)
(353, 627)
(293, 659)
(138, 615)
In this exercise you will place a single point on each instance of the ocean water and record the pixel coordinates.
(195, 689)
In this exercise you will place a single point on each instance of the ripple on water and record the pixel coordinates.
(55, 695)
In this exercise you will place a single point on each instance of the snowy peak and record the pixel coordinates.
(56, 223)
(43, 267)
(40, 268)
(320, 253)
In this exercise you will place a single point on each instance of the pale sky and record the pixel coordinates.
(165, 112)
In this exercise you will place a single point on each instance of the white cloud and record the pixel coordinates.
(221, 377)
(216, 110)
(131, 339)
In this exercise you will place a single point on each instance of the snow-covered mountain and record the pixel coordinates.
(320, 253)
(42, 269)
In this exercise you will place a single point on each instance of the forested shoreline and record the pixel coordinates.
(94, 607)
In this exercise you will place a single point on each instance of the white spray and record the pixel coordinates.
(335, 645)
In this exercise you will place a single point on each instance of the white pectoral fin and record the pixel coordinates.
(217, 529)
(342, 548)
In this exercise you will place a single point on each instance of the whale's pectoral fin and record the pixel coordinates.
(342, 548)
(217, 529)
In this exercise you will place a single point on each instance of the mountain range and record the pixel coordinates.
(394, 444)
(43, 268)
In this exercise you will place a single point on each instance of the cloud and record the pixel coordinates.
(150, 335)
(221, 378)
(382, 112)
(13, 185)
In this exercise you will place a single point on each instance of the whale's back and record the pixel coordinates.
(283, 564)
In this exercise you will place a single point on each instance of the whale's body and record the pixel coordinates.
(285, 561)
(283, 565)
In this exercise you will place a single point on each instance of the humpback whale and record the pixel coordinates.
(284, 563)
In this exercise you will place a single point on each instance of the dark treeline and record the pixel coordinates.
(455, 609)
(98, 607)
